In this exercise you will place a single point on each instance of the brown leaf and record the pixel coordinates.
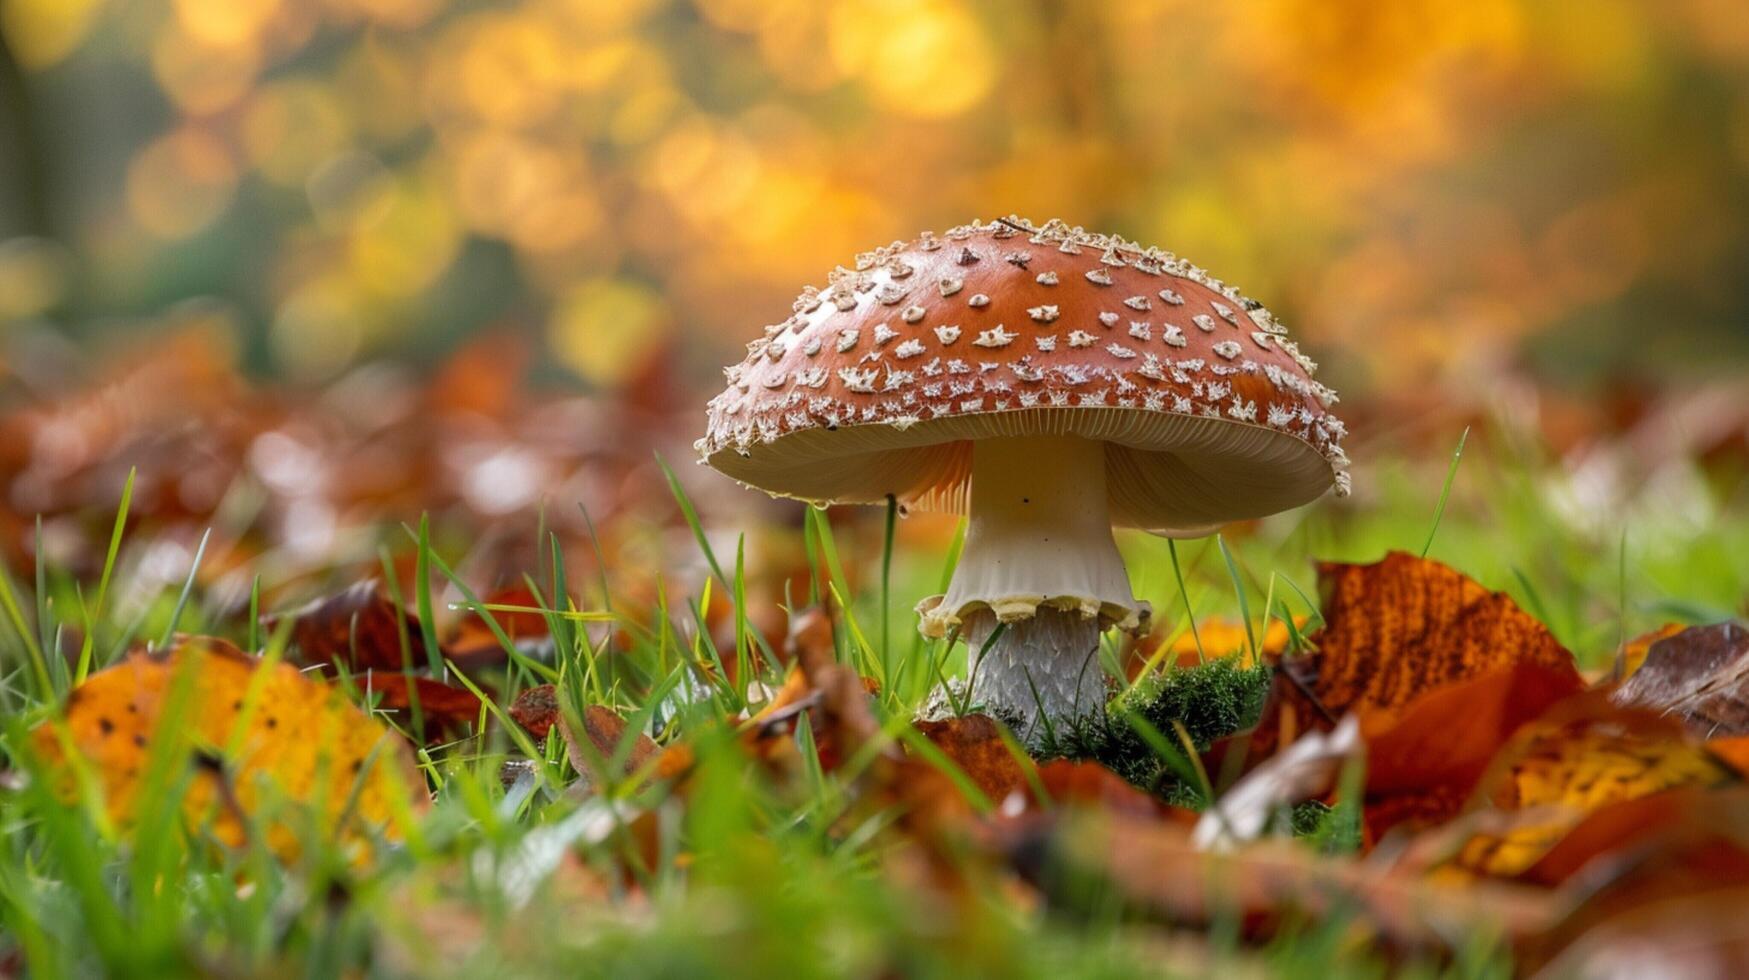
(359, 627)
(1090, 784)
(1692, 936)
(975, 744)
(845, 722)
(1581, 755)
(1154, 867)
(1663, 880)
(537, 709)
(1423, 763)
(447, 709)
(604, 731)
(472, 641)
(1393, 631)
(1700, 674)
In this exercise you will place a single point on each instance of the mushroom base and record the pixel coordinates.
(1043, 667)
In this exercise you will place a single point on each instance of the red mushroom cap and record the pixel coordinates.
(878, 384)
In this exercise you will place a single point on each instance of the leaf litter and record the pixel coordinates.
(1496, 792)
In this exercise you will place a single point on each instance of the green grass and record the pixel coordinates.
(752, 875)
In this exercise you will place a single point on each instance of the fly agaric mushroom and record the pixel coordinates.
(1049, 383)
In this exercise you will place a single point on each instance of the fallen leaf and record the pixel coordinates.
(975, 744)
(1423, 762)
(1155, 867)
(1700, 674)
(605, 731)
(446, 709)
(1393, 631)
(1581, 755)
(1662, 882)
(359, 627)
(1679, 818)
(472, 641)
(844, 721)
(300, 739)
(1092, 785)
(1691, 936)
(1633, 652)
(537, 709)
(1306, 769)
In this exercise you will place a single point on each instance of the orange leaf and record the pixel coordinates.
(1422, 764)
(1581, 755)
(472, 640)
(1395, 630)
(301, 740)
(975, 744)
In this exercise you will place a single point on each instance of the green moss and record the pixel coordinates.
(1211, 701)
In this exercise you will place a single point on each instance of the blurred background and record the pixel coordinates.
(315, 267)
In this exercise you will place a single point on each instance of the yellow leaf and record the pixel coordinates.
(278, 735)
(1582, 756)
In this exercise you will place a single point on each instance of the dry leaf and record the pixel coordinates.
(1423, 763)
(471, 641)
(1306, 769)
(975, 744)
(1393, 631)
(1580, 756)
(446, 709)
(1663, 879)
(1090, 784)
(1700, 674)
(1154, 866)
(359, 627)
(301, 738)
(537, 710)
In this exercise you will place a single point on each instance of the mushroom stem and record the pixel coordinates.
(1043, 667)
(1039, 556)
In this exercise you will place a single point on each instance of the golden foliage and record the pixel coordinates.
(262, 736)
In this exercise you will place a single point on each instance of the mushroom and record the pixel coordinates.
(1059, 389)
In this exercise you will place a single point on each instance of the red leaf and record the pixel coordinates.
(359, 627)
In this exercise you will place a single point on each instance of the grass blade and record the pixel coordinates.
(96, 610)
(1239, 588)
(1202, 656)
(1445, 492)
(422, 596)
(691, 515)
(187, 588)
